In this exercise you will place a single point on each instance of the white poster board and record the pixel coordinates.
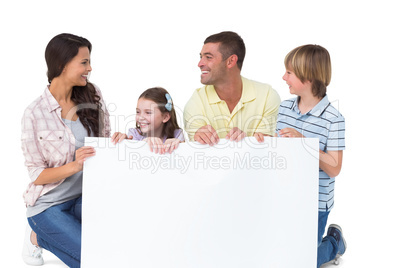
(232, 205)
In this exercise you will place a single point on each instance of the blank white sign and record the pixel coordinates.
(232, 205)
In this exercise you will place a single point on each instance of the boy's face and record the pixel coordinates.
(296, 86)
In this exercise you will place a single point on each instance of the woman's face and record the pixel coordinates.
(76, 72)
(149, 118)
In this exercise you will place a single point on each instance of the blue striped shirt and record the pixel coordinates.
(323, 122)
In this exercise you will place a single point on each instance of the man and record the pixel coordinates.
(229, 105)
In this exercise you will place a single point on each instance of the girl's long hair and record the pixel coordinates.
(158, 95)
(61, 50)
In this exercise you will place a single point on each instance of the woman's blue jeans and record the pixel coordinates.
(327, 246)
(58, 230)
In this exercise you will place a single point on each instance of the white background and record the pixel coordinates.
(137, 45)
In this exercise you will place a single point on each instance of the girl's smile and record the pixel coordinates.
(150, 119)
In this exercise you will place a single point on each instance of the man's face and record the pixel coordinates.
(212, 65)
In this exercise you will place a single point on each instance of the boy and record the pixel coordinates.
(311, 115)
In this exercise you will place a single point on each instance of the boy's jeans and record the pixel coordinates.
(327, 246)
(58, 230)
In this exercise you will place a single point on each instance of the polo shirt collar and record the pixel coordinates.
(50, 102)
(317, 110)
(320, 107)
(246, 95)
(212, 95)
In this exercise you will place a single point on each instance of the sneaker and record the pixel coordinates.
(336, 232)
(31, 254)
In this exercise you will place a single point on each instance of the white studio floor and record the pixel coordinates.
(52, 261)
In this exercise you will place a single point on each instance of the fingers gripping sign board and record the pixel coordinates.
(232, 205)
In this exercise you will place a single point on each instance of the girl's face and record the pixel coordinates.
(295, 85)
(77, 70)
(149, 118)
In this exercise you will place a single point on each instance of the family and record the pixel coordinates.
(229, 106)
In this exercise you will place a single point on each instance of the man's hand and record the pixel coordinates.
(235, 134)
(260, 137)
(206, 135)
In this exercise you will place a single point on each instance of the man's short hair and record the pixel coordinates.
(230, 43)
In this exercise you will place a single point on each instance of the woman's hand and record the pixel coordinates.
(171, 144)
(81, 155)
(155, 145)
(55, 174)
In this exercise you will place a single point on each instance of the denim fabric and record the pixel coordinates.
(327, 246)
(58, 230)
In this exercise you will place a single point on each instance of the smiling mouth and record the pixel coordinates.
(86, 76)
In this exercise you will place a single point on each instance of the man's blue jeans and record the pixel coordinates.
(327, 246)
(58, 230)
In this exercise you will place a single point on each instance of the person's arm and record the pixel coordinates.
(52, 175)
(196, 124)
(330, 161)
(268, 122)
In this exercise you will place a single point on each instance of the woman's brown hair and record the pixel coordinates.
(61, 50)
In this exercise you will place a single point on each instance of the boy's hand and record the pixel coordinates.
(290, 133)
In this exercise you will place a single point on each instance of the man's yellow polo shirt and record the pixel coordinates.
(256, 110)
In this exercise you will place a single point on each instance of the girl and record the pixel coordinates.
(53, 130)
(156, 122)
(308, 73)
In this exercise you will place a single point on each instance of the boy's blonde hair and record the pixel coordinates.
(311, 63)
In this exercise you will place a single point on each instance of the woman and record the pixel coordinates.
(54, 127)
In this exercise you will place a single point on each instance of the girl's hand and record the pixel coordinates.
(119, 137)
(170, 145)
(81, 155)
(155, 144)
(290, 133)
